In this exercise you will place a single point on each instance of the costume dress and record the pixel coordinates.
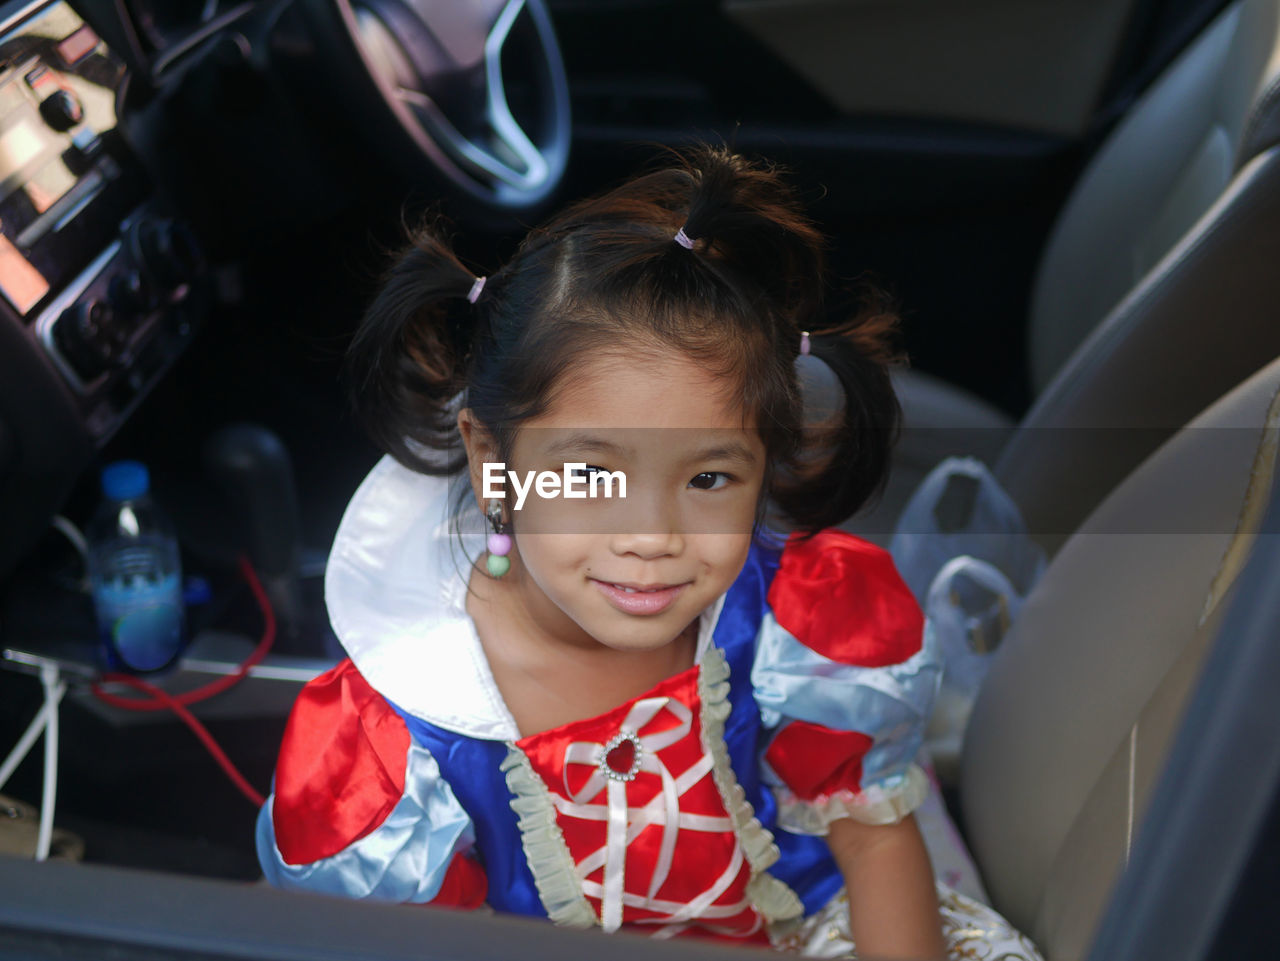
(697, 808)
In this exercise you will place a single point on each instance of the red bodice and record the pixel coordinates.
(642, 815)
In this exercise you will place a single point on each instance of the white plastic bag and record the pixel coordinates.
(960, 509)
(970, 607)
(963, 549)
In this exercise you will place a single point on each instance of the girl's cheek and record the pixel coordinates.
(568, 516)
(729, 550)
(732, 514)
(554, 547)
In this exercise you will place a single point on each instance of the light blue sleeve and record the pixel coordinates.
(889, 704)
(404, 859)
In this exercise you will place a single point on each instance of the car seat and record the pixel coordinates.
(1075, 718)
(1155, 294)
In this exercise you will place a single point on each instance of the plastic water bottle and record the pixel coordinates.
(136, 574)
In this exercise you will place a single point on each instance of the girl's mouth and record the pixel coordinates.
(639, 598)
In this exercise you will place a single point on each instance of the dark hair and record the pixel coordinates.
(608, 270)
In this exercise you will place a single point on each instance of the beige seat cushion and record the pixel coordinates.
(1106, 641)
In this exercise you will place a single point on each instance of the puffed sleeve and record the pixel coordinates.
(844, 675)
(360, 810)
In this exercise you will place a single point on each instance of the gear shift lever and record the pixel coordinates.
(251, 466)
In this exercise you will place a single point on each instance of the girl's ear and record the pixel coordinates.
(481, 449)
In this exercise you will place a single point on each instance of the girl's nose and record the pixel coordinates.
(649, 545)
(648, 528)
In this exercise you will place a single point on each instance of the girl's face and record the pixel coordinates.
(632, 571)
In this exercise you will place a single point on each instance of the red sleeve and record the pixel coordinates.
(842, 597)
(342, 771)
(341, 767)
(815, 761)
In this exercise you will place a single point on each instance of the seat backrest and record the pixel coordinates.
(1157, 290)
(1166, 164)
(1073, 721)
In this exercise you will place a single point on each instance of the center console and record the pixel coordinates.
(101, 287)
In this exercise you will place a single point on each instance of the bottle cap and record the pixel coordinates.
(125, 480)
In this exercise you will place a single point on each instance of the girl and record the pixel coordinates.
(638, 708)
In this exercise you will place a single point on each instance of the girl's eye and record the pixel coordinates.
(709, 480)
(589, 472)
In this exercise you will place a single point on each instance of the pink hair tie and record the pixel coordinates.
(683, 239)
(804, 343)
(476, 287)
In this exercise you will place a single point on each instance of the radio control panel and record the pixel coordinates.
(113, 330)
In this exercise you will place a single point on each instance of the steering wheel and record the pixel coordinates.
(438, 69)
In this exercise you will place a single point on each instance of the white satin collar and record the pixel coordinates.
(395, 587)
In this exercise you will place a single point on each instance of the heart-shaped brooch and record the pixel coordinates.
(620, 760)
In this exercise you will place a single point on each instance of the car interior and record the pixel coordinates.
(1074, 205)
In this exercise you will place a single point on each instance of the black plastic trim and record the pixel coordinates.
(46, 908)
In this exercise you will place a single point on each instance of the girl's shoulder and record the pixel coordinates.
(843, 597)
(340, 698)
(341, 767)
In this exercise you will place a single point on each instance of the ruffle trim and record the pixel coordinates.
(545, 850)
(773, 899)
(877, 804)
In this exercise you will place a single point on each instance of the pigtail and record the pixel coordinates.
(843, 463)
(407, 361)
(741, 224)
(746, 217)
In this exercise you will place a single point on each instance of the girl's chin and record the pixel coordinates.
(623, 645)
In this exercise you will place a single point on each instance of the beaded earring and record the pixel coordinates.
(499, 542)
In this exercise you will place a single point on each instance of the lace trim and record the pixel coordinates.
(775, 901)
(877, 804)
(554, 872)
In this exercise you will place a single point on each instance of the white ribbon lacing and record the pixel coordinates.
(625, 824)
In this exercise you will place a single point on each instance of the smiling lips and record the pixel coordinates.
(639, 599)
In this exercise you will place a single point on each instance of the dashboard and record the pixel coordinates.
(101, 285)
(155, 153)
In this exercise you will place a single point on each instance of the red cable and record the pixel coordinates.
(162, 699)
(159, 700)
